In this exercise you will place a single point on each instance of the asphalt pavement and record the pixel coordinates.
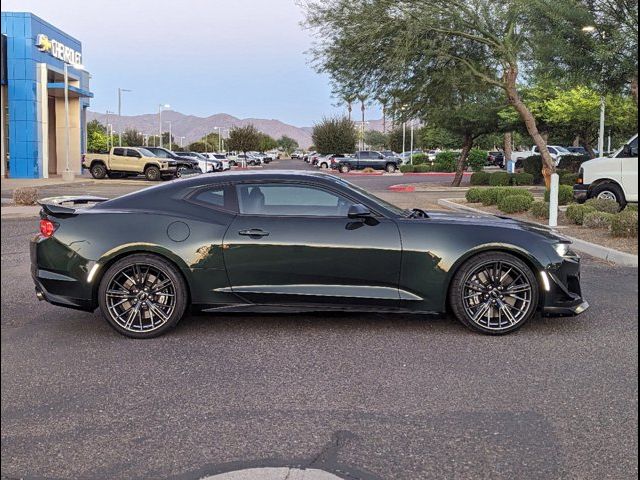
(370, 396)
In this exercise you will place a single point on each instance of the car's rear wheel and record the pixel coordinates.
(98, 170)
(610, 191)
(344, 168)
(390, 168)
(152, 173)
(181, 171)
(142, 296)
(494, 293)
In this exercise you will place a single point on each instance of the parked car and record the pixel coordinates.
(220, 157)
(556, 152)
(577, 150)
(329, 160)
(184, 165)
(612, 178)
(297, 155)
(286, 241)
(367, 159)
(126, 161)
(206, 164)
(496, 158)
(249, 159)
(405, 157)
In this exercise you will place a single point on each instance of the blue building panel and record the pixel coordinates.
(25, 143)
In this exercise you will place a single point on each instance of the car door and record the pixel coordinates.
(629, 170)
(135, 162)
(118, 159)
(293, 243)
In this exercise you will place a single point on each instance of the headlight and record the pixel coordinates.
(562, 249)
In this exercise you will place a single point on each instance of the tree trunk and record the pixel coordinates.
(508, 141)
(548, 165)
(634, 89)
(576, 141)
(589, 148)
(462, 160)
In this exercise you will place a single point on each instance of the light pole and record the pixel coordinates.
(68, 175)
(411, 144)
(120, 91)
(603, 100)
(109, 113)
(181, 141)
(161, 106)
(219, 137)
(170, 141)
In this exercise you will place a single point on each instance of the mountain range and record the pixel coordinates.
(193, 128)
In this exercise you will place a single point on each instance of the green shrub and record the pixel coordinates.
(422, 168)
(474, 195)
(406, 168)
(515, 203)
(598, 219)
(477, 159)
(446, 161)
(491, 196)
(604, 205)
(500, 179)
(631, 207)
(539, 209)
(533, 166)
(565, 195)
(522, 178)
(480, 178)
(419, 159)
(625, 224)
(568, 178)
(576, 213)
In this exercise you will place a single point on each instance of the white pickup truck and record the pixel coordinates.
(555, 151)
(614, 177)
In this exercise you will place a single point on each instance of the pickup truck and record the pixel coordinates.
(128, 161)
(367, 159)
(613, 178)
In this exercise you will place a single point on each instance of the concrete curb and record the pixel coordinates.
(598, 251)
(20, 211)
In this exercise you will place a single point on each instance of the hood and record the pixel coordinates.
(489, 220)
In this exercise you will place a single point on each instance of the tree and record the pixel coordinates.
(199, 147)
(97, 138)
(213, 140)
(267, 143)
(385, 46)
(287, 144)
(376, 140)
(335, 135)
(244, 139)
(132, 138)
(438, 137)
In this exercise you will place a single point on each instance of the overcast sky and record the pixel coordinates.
(241, 57)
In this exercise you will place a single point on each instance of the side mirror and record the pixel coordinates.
(627, 151)
(358, 211)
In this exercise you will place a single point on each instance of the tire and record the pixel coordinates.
(610, 191)
(344, 168)
(180, 171)
(324, 165)
(98, 171)
(126, 306)
(152, 173)
(390, 168)
(508, 303)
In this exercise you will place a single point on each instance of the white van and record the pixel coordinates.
(614, 177)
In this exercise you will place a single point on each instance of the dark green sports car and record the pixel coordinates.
(282, 241)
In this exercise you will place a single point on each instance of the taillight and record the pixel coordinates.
(47, 227)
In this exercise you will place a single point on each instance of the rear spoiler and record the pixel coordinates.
(54, 205)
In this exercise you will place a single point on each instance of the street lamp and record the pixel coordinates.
(603, 100)
(68, 174)
(170, 141)
(162, 106)
(219, 137)
(120, 91)
(182, 141)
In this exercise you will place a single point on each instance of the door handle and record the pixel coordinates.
(253, 232)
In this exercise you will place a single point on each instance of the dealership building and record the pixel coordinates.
(43, 134)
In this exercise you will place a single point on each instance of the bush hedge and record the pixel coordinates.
(572, 163)
(603, 205)
(419, 159)
(500, 179)
(515, 203)
(540, 209)
(598, 219)
(565, 195)
(477, 159)
(576, 213)
(474, 195)
(491, 196)
(416, 168)
(522, 178)
(625, 224)
(446, 161)
(631, 207)
(480, 178)
(533, 166)
(568, 178)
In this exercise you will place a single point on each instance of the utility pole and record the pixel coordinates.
(120, 91)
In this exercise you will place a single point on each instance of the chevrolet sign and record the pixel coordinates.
(58, 50)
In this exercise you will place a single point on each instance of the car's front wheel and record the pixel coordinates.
(142, 296)
(152, 174)
(494, 293)
(610, 191)
(390, 168)
(344, 168)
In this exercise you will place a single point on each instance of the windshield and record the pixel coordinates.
(146, 153)
(383, 203)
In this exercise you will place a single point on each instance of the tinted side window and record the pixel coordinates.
(634, 148)
(213, 197)
(160, 153)
(132, 153)
(290, 200)
(119, 152)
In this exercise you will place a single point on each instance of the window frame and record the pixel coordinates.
(327, 189)
(230, 198)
